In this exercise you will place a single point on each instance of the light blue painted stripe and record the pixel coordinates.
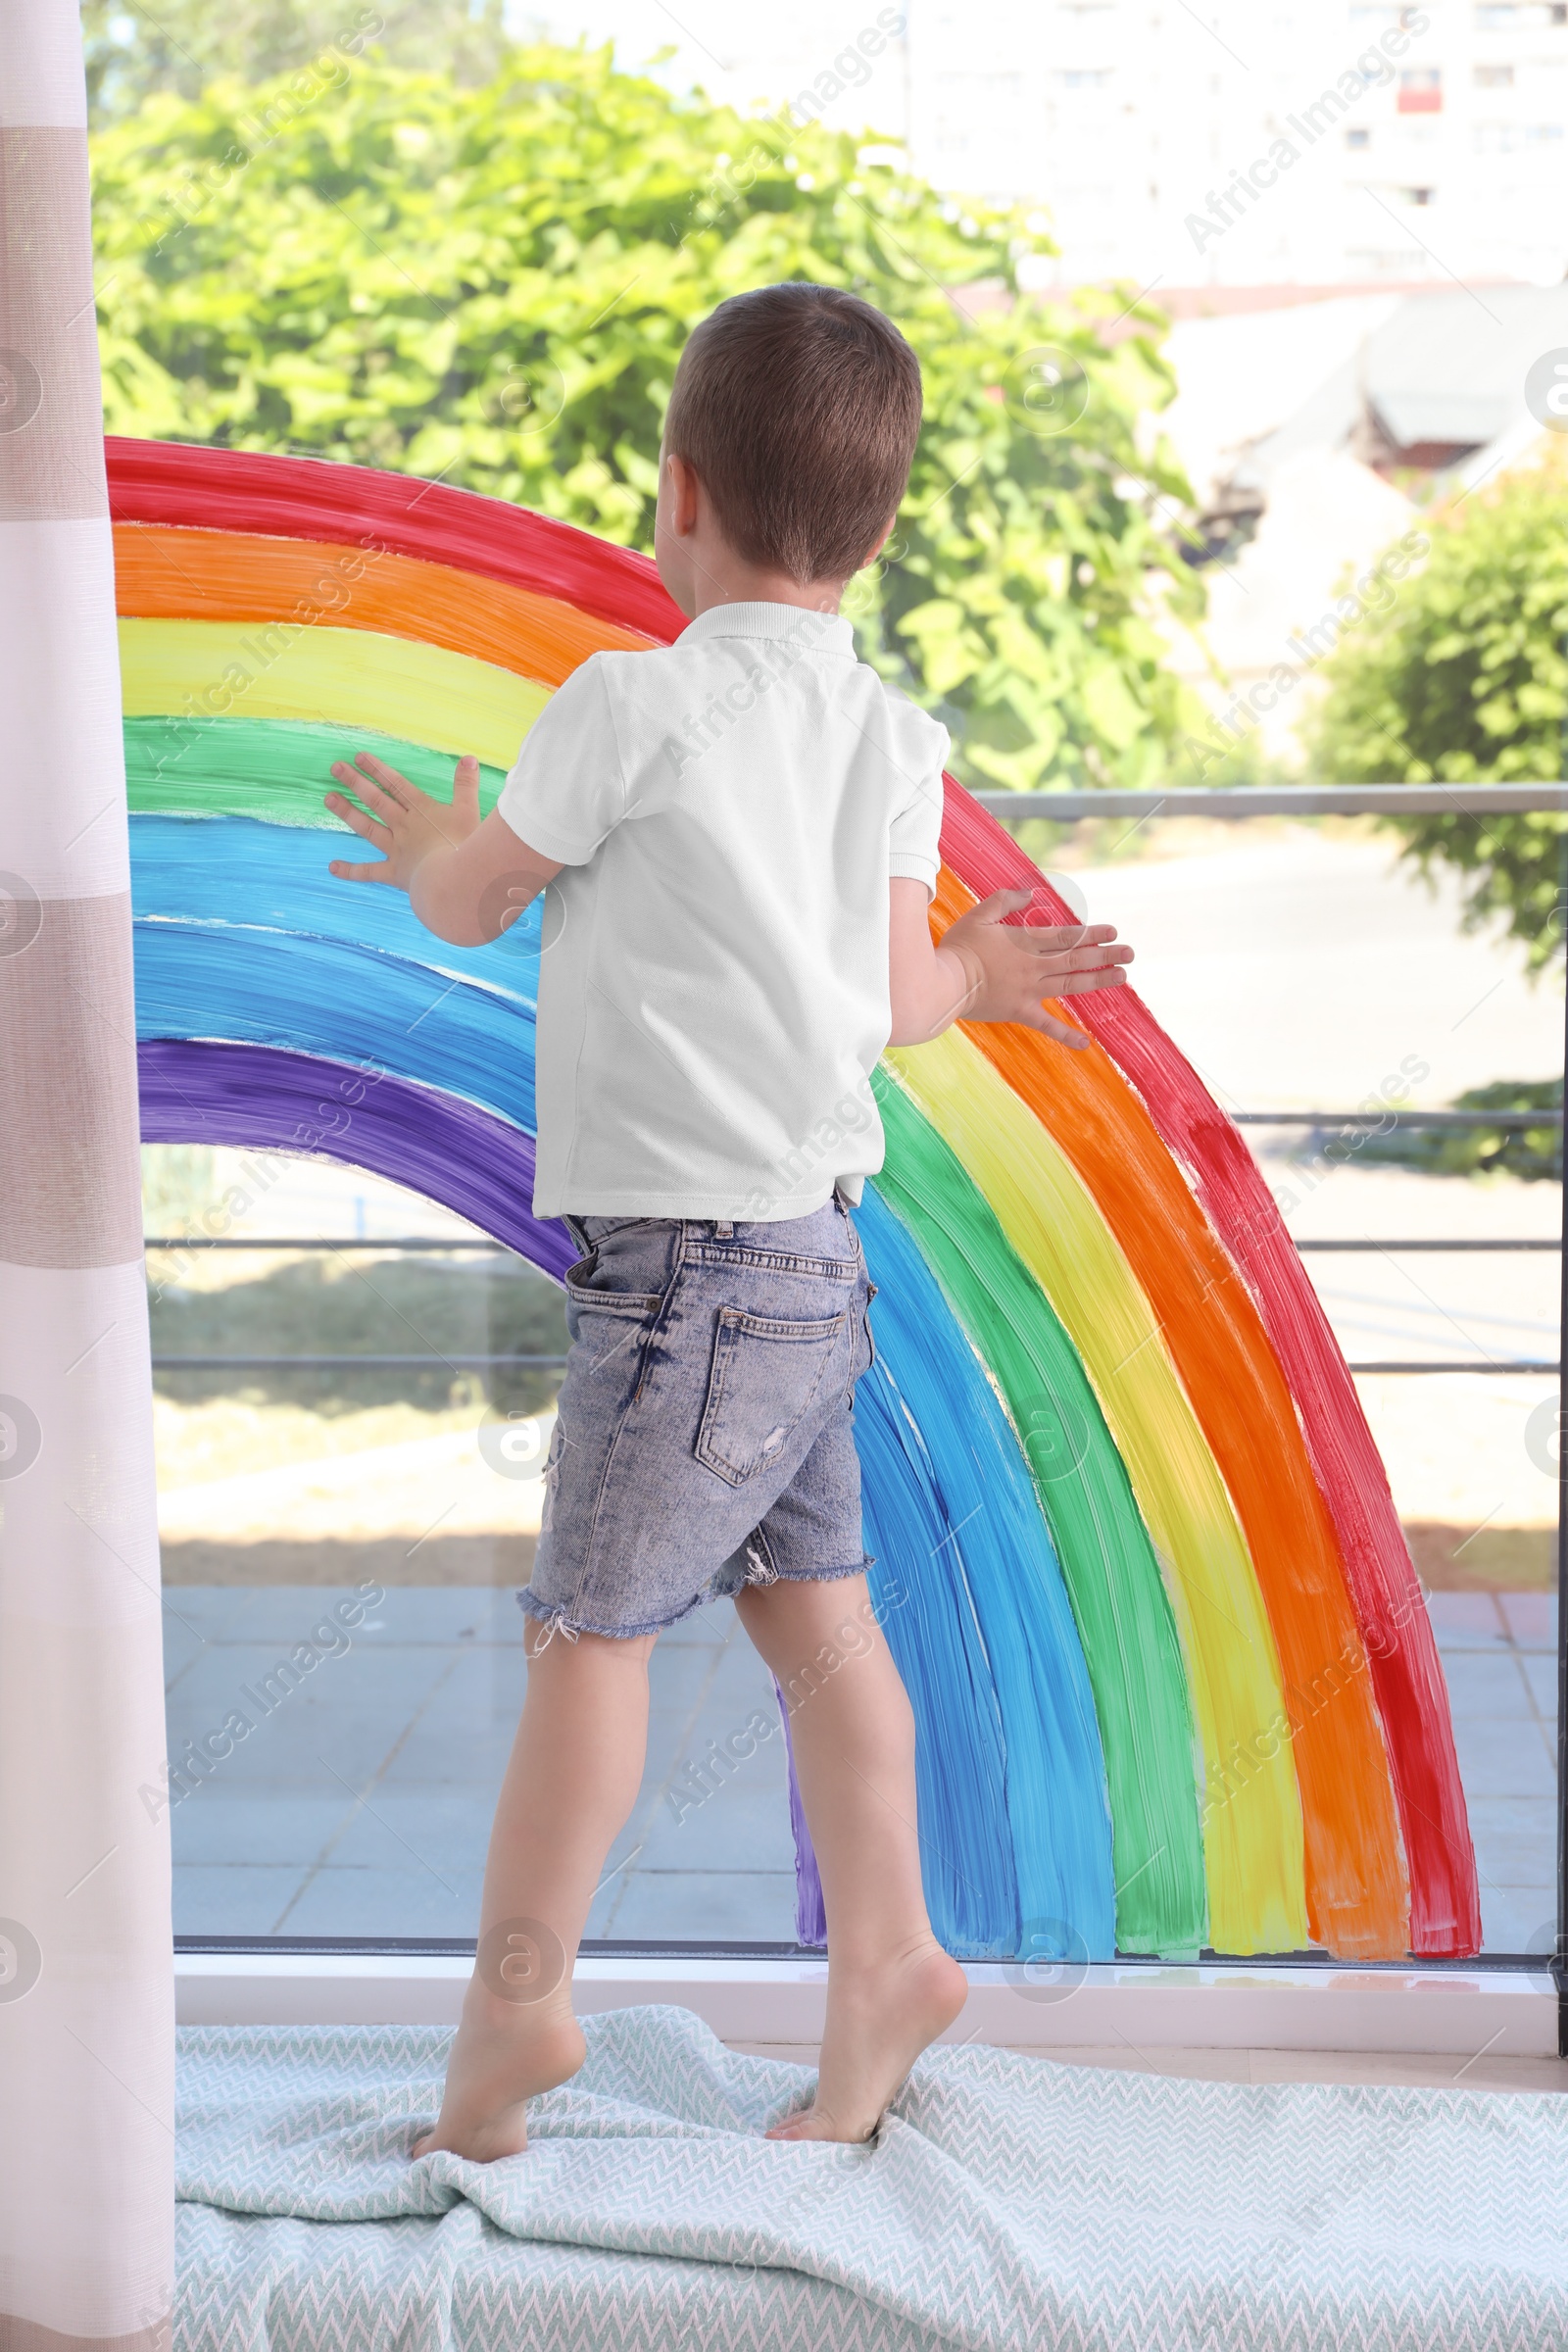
(341, 970)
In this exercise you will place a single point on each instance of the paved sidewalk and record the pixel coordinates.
(1499, 1654)
(360, 1804)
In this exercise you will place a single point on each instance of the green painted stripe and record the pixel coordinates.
(1113, 1580)
(276, 770)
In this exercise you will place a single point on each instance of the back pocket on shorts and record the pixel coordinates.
(766, 1376)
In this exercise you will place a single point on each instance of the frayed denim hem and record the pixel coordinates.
(825, 1576)
(554, 1614)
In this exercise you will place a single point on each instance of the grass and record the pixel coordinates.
(224, 1436)
(1530, 1152)
(314, 1304)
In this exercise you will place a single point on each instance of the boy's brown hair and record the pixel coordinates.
(798, 408)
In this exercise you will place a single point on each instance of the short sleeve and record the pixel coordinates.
(568, 789)
(917, 828)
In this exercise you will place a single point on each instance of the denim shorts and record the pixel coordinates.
(704, 1437)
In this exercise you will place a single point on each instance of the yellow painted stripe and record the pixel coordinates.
(348, 678)
(1252, 1833)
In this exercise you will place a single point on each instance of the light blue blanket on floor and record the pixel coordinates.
(1007, 2203)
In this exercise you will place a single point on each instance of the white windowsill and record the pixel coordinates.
(1436, 2011)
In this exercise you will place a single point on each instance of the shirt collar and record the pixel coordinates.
(816, 632)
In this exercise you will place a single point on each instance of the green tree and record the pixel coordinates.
(177, 1185)
(130, 55)
(1462, 680)
(493, 285)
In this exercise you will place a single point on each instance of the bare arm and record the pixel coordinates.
(468, 878)
(989, 970)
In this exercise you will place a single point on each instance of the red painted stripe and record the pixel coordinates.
(1401, 1654)
(307, 498)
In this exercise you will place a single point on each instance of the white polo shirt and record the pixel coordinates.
(714, 986)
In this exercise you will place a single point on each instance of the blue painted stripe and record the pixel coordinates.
(1003, 1647)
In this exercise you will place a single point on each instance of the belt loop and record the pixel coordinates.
(724, 1229)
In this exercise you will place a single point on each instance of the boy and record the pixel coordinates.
(739, 839)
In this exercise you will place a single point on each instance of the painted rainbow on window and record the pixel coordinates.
(1137, 1555)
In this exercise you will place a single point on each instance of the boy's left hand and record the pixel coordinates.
(405, 823)
(1009, 969)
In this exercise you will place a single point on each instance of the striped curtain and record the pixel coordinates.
(86, 1989)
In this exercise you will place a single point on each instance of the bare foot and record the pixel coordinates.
(878, 2022)
(504, 2054)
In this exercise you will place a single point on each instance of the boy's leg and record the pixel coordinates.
(570, 1785)
(892, 1988)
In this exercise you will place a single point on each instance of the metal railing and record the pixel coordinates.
(352, 1363)
(395, 1244)
(1511, 1121)
(1284, 800)
(1516, 1121)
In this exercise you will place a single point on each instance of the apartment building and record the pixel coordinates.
(1243, 145)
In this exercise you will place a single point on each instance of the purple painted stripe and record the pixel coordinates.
(261, 1098)
(811, 1919)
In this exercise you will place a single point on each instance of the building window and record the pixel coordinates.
(1508, 138)
(1420, 90)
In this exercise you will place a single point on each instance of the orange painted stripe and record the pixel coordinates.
(1357, 1895)
(165, 573)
